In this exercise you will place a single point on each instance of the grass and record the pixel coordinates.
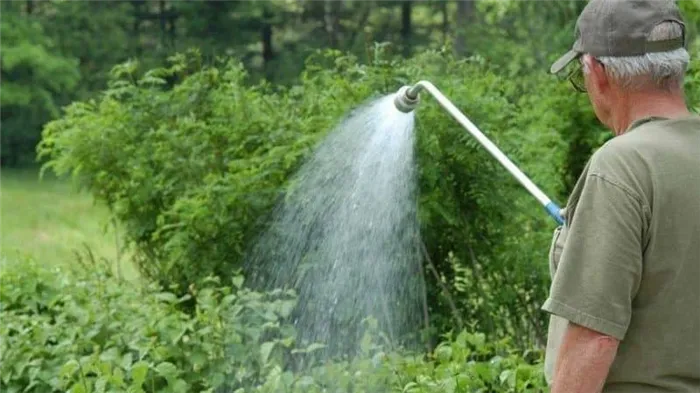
(48, 220)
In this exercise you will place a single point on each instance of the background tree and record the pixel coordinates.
(37, 79)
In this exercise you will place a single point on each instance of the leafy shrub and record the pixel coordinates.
(85, 331)
(192, 158)
(464, 363)
(188, 168)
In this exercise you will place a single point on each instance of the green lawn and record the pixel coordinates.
(48, 220)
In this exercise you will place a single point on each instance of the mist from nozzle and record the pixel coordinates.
(345, 236)
(405, 100)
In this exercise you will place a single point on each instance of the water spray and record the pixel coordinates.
(407, 99)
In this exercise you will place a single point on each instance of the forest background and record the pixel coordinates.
(168, 128)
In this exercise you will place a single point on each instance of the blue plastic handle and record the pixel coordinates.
(553, 211)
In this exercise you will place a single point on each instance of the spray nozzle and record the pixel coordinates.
(406, 99)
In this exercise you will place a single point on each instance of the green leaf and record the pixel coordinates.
(126, 362)
(410, 387)
(507, 377)
(449, 385)
(139, 370)
(265, 350)
(69, 368)
(443, 353)
(168, 371)
(100, 385)
(166, 297)
(238, 281)
(304, 382)
(286, 308)
(78, 388)
(180, 386)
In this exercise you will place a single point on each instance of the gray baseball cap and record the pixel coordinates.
(621, 28)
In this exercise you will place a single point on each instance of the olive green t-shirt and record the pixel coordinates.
(627, 261)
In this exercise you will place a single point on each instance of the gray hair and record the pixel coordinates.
(665, 70)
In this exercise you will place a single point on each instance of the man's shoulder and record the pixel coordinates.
(617, 155)
(650, 132)
(637, 146)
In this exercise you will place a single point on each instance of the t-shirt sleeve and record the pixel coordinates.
(600, 267)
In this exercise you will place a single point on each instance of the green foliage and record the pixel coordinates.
(36, 82)
(191, 159)
(507, 34)
(190, 166)
(692, 81)
(85, 331)
(465, 362)
(272, 38)
(88, 331)
(97, 33)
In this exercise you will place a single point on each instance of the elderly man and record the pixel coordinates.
(625, 294)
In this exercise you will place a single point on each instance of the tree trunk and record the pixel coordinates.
(136, 26)
(171, 29)
(331, 21)
(163, 22)
(362, 21)
(406, 29)
(266, 35)
(465, 16)
(445, 21)
(30, 7)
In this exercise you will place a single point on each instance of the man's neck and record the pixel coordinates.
(643, 105)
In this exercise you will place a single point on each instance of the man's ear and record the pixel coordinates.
(596, 73)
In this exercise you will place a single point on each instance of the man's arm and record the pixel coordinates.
(583, 361)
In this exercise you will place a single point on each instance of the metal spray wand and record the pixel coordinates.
(407, 100)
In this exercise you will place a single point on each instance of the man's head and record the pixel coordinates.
(626, 51)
